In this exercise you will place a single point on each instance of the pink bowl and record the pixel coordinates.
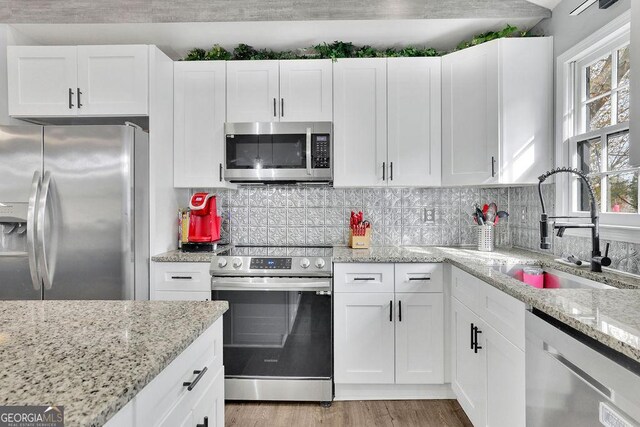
(533, 278)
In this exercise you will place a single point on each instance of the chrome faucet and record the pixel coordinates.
(597, 260)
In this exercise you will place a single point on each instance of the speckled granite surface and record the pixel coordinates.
(92, 356)
(610, 316)
(180, 256)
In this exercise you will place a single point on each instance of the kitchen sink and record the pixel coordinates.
(553, 279)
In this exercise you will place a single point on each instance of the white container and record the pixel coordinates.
(485, 238)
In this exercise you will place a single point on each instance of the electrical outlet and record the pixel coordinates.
(523, 215)
(429, 216)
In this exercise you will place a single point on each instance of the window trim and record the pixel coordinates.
(624, 227)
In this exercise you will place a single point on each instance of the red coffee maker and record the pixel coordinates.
(204, 222)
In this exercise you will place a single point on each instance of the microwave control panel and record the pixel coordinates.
(320, 151)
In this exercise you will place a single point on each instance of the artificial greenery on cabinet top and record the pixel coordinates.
(340, 49)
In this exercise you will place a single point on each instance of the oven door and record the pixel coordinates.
(277, 338)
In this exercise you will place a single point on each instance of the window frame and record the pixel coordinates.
(613, 36)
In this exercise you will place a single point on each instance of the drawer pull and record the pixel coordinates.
(363, 279)
(191, 385)
(411, 279)
(182, 277)
(205, 424)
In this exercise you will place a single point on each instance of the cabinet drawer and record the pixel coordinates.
(182, 276)
(465, 288)
(363, 277)
(166, 392)
(418, 278)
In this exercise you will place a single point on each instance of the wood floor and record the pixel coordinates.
(407, 413)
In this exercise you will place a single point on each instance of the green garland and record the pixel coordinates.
(339, 49)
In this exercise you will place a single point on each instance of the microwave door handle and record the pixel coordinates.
(31, 231)
(308, 151)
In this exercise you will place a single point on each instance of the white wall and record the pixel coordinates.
(568, 30)
(9, 36)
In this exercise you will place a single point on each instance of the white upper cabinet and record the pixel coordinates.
(306, 90)
(497, 112)
(360, 122)
(252, 91)
(387, 122)
(42, 80)
(414, 121)
(113, 80)
(285, 91)
(67, 81)
(199, 116)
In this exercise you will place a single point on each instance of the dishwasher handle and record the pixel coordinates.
(597, 385)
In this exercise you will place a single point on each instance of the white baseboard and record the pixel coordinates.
(393, 391)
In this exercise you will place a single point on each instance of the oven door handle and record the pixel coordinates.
(268, 284)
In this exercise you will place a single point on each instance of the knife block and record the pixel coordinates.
(360, 242)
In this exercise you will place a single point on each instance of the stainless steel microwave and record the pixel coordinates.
(279, 151)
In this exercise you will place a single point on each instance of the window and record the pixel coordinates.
(600, 128)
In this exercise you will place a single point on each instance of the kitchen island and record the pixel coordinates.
(94, 357)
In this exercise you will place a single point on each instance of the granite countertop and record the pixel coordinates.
(92, 357)
(611, 316)
(181, 256)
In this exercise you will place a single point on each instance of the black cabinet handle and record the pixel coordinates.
(281, 107)
(206, 423)
(400, 311)
(182, 277)
(70, 98)
(472, 335)
(493, 166)
(391, 171)
(79, 93)
(384, 167)
(220, 172)
(362, 279)
(191, 385)
(476, 332)
(419, 278)
(391, 311)
(275, 114)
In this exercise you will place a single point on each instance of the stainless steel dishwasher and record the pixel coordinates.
(572, 380)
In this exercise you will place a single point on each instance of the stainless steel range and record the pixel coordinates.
(277, 332)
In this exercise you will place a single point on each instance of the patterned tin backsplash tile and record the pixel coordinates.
(299, 215)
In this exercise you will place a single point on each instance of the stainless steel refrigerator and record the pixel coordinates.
(74, 212)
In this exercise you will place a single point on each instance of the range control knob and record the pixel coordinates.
(320, 263)
(222, 262)
(237, 263)
(305, 263)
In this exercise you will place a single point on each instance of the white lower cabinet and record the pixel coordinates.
(364, 338)
(487, 369)
(188, 392)
(387, 342)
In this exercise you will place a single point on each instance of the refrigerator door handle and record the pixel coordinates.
(31, 231)
(46, 271)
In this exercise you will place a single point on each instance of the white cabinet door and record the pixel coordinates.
(419, 338)
(363, 338)
(360, 122)
(252, 91)
(199, 116)
(42, 80)
(306, 90)
(113, 80)
(505, 371)
(468, 372)
(414, 102)
(470, 135)
(209, 409)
